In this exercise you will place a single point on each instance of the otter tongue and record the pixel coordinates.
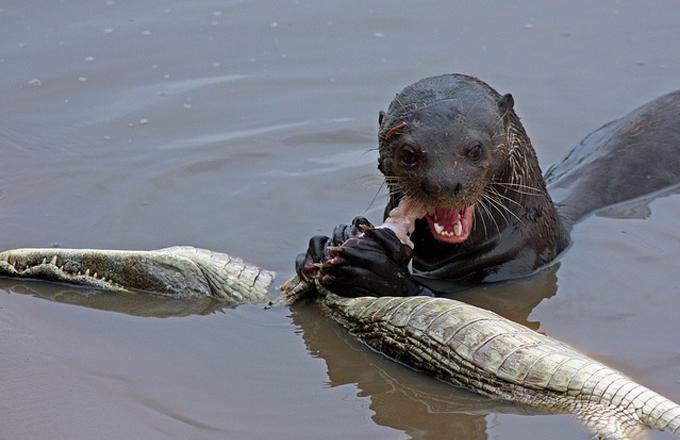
(447, 217)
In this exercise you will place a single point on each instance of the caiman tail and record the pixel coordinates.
(179, 272)
(629, 158)
(479, 350)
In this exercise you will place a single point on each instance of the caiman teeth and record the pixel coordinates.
(44, 261)
(54, 260)
(87, 272)
(439, 228)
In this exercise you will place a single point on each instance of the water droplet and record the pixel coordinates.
(214, 23)
(146, 32)
(35, 82)
(216, 64)
(108, 30)
(274, 24)
(110, 3)
(187, 106)
(82, 79)
(217, 13)
(528, 25)
(143, 121)
(378, 35)
(131, 124)
(154, 66)
(166, 76)
(107, 138)
(21, 45)
(88, 59)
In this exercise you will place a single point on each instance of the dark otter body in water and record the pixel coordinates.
(456, 145)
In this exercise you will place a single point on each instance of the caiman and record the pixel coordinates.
(458, 343)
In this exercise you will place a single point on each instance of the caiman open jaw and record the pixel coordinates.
(451, 225)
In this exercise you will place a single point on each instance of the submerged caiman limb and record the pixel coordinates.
(180, 272)
(479, 350)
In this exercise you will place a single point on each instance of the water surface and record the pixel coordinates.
(247, 127)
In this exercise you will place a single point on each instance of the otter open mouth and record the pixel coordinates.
(451, 225)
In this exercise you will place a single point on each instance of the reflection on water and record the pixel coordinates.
(135, 304)
(514, 299)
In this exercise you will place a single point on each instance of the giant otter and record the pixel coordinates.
(455, 144)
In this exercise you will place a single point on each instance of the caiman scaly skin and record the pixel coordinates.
(479, 350)
(179, 272)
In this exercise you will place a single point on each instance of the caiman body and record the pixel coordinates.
(459, 343)
(479, 350)
(180, 272)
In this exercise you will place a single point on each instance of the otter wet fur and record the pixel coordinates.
(456, 145)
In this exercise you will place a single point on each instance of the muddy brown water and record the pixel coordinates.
(247, 127)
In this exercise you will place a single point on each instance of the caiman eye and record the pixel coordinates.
(409, 157)
(474, 153)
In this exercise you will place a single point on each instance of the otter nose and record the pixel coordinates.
(432, 187)
(442, 187)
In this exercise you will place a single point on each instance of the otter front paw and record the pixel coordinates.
(307, 264)
(375, 264)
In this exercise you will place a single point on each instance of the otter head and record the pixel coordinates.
(443, 142)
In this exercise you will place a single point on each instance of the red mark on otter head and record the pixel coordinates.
(394, 130)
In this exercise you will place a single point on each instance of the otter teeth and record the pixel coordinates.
(457, 230)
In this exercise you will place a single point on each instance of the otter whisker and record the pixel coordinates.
(497, 202)
(488, 213)
(481, 217)
(494, 204)
(513, 186)
(496, 193)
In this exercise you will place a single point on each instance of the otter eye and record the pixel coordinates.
(474, 153)
(408, 156)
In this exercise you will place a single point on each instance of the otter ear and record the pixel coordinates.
(506, 103)
(381, 116)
